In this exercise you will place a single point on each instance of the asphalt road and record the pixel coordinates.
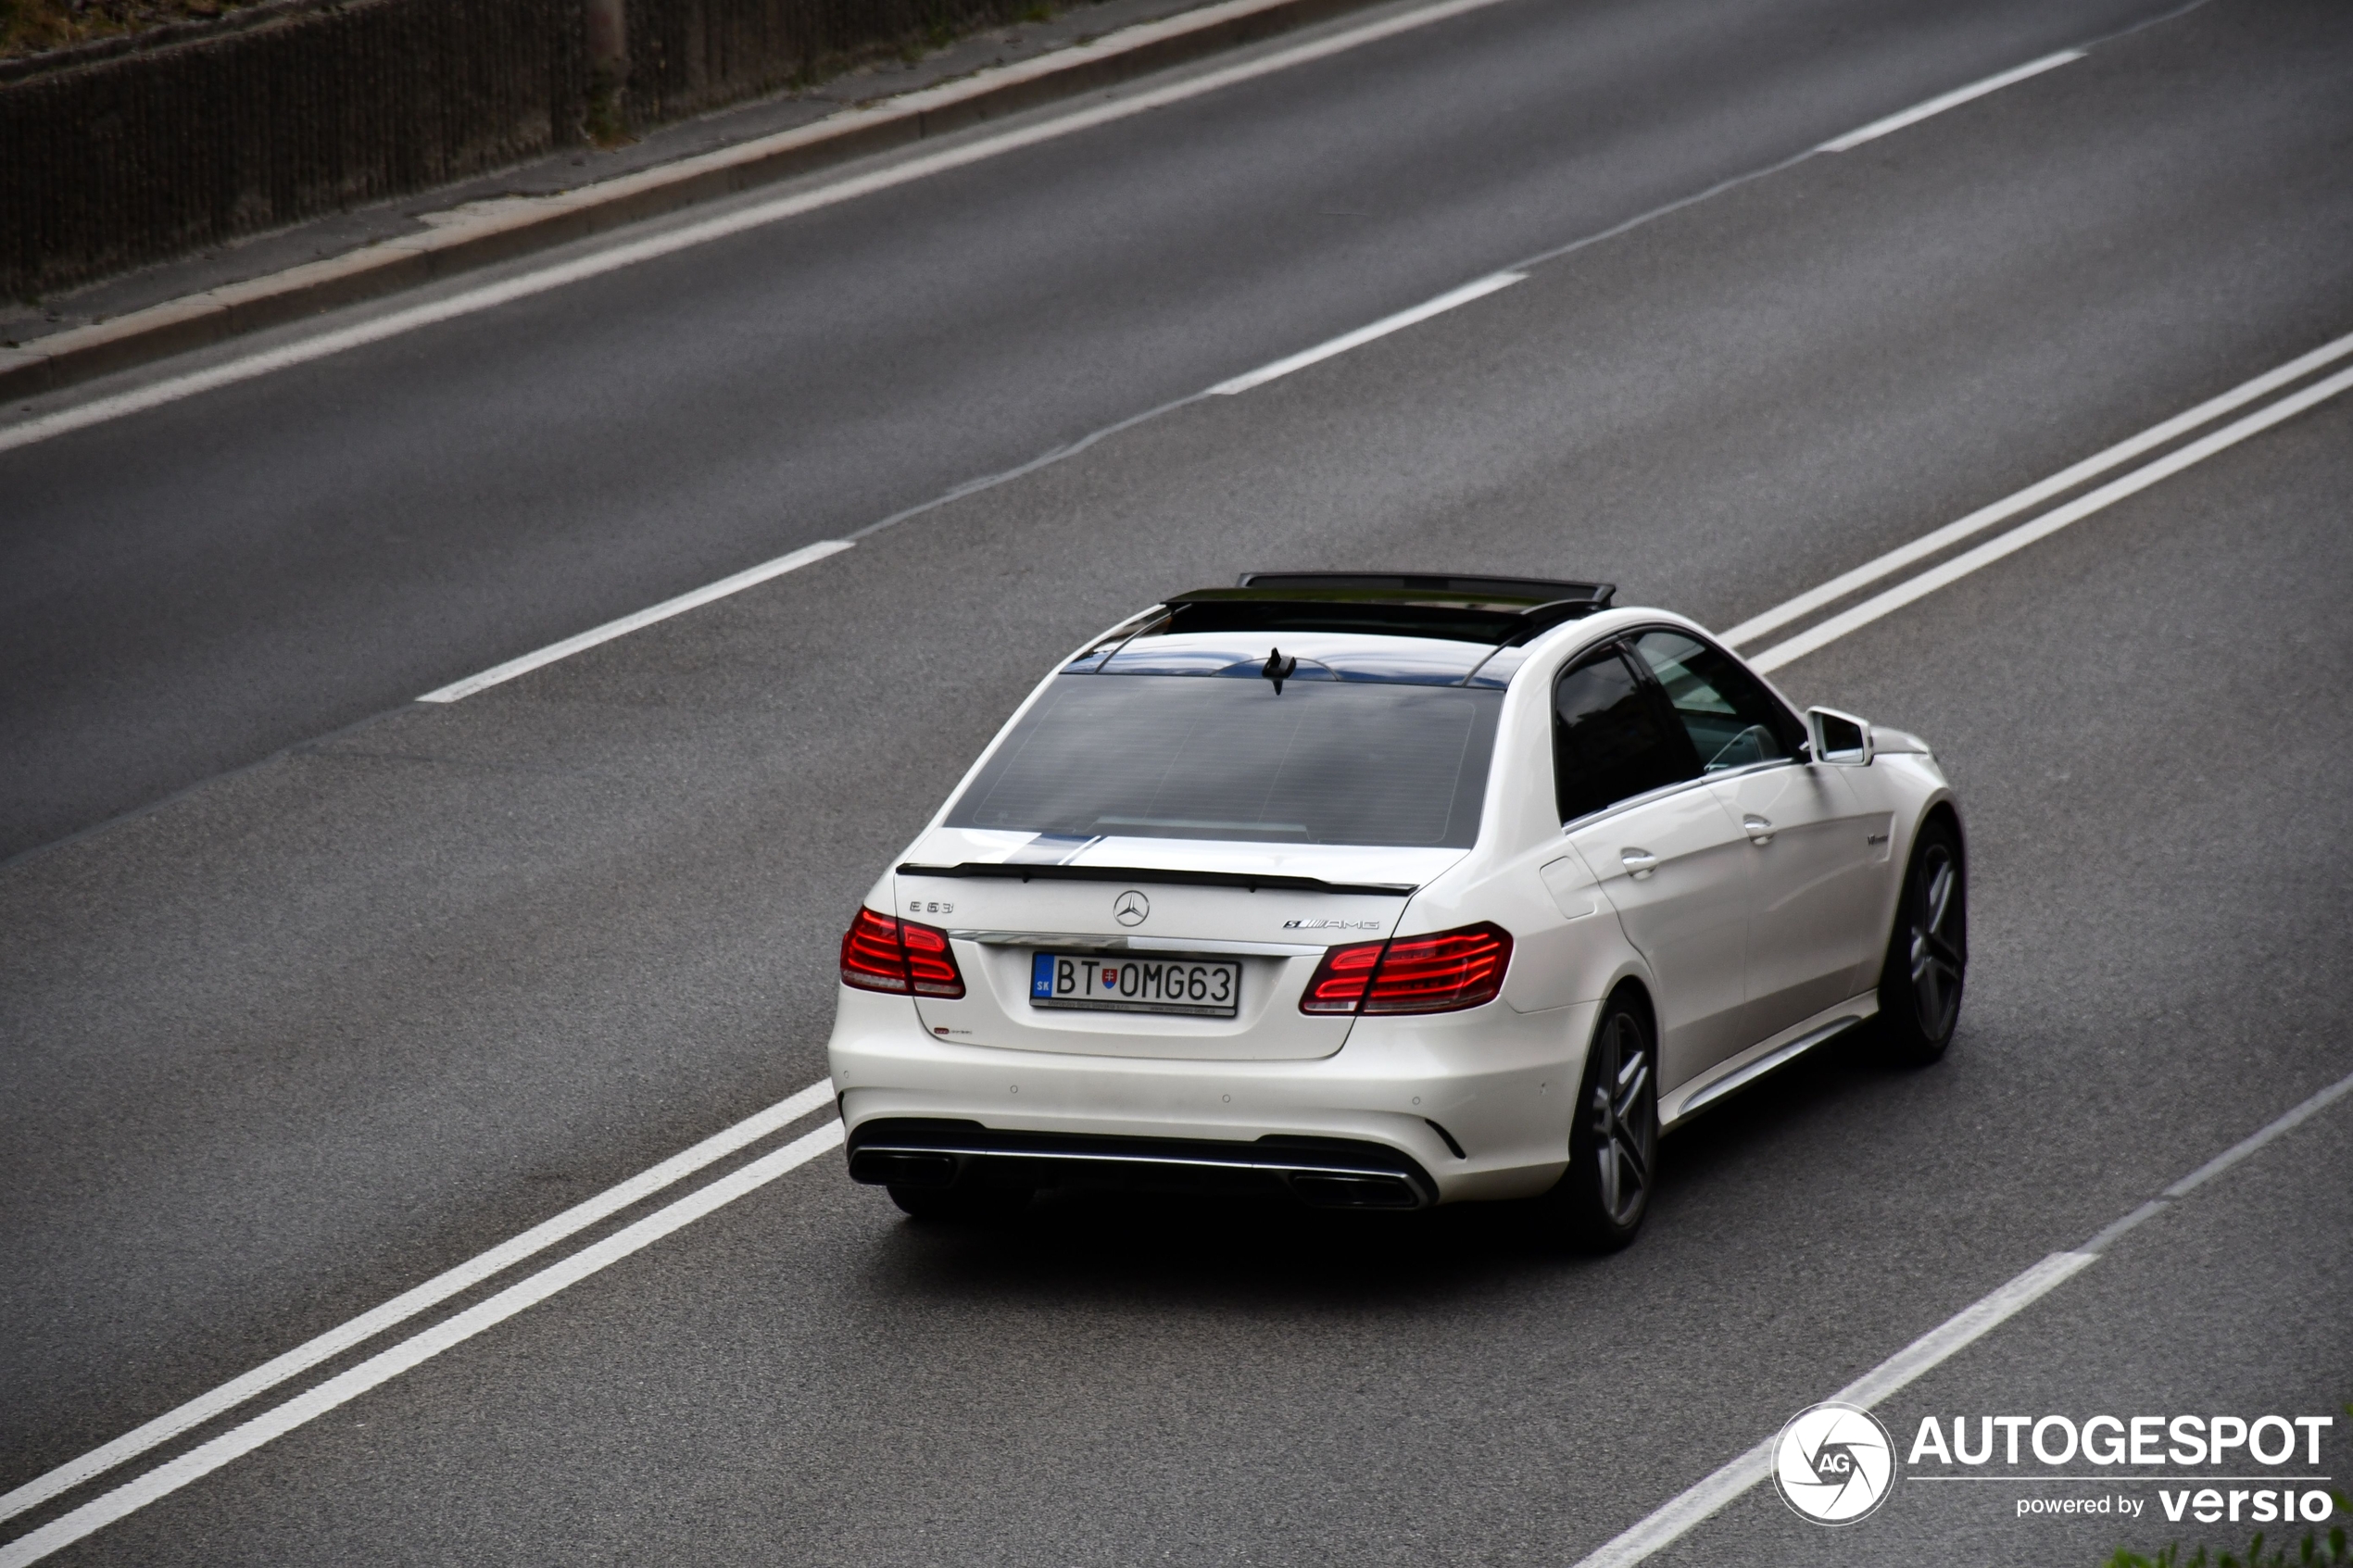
(250, 570)
(321, 1027)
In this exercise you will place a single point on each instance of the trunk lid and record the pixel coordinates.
(1150, 903)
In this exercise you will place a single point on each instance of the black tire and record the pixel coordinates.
(1919, 986)
(968, 1205)
(1613, 1142)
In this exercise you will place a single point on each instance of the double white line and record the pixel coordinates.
(1888, 601)
(389, 1364)
(1681, 1514)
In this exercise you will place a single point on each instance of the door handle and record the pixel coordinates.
(1759, 830)
(1639, 862)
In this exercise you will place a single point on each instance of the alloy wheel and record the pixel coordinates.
(1625, 1120)
(1936, 959)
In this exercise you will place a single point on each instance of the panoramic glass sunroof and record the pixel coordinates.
(1334, 626)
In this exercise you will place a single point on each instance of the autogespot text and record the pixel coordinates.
(2049, 1443)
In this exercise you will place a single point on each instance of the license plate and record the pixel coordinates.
(1119, 983)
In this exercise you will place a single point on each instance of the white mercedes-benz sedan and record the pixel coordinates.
(1387, 891)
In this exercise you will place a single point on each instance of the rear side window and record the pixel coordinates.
(1194, 756)
(1732, 721)
(1610, 740)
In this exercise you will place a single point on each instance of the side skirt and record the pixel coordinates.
(1728, 1078)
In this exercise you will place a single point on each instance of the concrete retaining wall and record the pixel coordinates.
(689, 55)
(132, 151)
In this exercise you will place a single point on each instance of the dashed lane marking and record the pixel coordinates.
(1943, 101)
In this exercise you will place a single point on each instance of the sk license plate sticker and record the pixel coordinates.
(1119, 983)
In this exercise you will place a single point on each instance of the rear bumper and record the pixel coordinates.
(1322, 1173)
(1457, 1106)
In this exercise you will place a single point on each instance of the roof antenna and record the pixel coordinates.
(1278, 669)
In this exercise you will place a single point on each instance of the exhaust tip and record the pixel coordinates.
(1320, 1189)
(902, 1167)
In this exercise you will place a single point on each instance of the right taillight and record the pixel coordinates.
(882, 954)
(1441, 972)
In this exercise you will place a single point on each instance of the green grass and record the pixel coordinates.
(2313, 1551)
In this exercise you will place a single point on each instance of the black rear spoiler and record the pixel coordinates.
(1252, 881)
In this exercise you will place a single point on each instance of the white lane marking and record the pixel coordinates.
(815, 553)
(2043, 527)
(401, 1308)
(1965, 1328)
(229, 1395)
(1666, 1524)
(1952, 100)
(385, 1365)
(1679, 1516)
(2035, 495)
(1974, 1321)
(1727, 1484)
(544, 279)
(1382, 327)
(754, 217)
(2239, 1151)
(2133, 1221)
(807, 555)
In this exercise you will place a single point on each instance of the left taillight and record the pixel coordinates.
(1442, 973)
(882, 954)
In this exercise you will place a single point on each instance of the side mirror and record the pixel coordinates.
(1839, 737)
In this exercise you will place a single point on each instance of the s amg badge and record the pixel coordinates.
(1130, 908)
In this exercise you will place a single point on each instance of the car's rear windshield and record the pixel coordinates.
(1205, 756)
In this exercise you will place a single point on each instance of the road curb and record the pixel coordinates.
(499, 230)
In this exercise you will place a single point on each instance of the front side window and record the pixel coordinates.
(1732, 721)
(1609, 739)
(1191, 757)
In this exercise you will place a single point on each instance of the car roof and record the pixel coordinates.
(1418, 629)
